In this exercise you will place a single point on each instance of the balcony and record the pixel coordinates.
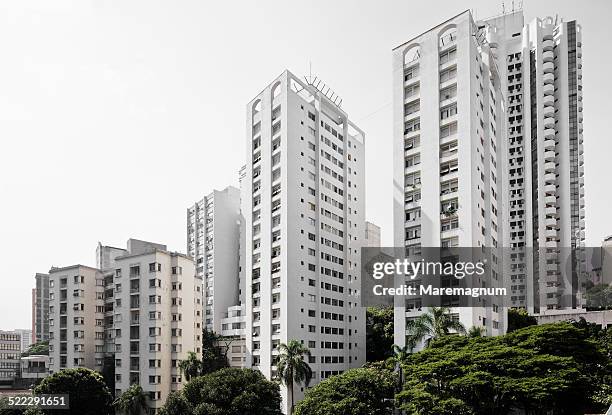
(548, 89)
(548, 45)
(548, 100)
(548, 78)
(549, 111)
(549, 167)
(549, 122)
(549, 145)
(549, 133)
(550, 189)
(548, 67)
(548, 56)
(550, 233)
(549, 222)
(551, 244)
(550, 211)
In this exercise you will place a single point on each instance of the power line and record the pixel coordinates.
(375, 112)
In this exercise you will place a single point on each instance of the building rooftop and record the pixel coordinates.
(429, 30)
(66, 268)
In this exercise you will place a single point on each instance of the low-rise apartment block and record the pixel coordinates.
(10, 353)
(141, 312)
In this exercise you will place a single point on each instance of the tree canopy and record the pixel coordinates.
(519, 318)
(379, 333)
(191, 367)
(432, 324)
(39, 348)
(132, 401)
(214, 355)
(88, 393)
(363, 391)
(228, 391)
(553, 367)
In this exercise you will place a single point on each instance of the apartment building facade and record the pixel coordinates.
(372, 235)
(76, 318)
(449, 154)
(213, 226)
(26, 338)
(303, 207)
(530, 118)
(541, 62)
(10, 353)
(40, 308)
(157, 319)
(140, 312)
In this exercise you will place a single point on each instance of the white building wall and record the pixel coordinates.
(158, 318)
(76, 318)
(284, 303)
(545, 165)
(458, 153)
(213, 226)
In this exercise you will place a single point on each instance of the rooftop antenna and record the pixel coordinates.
(503, 8)
(512, 6)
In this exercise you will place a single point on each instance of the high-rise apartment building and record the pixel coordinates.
(303, 206)
(541, 67)
(504, 99)
(76, 318)
(372, 235)
(40, 308)
(449, 153)
(213, 225)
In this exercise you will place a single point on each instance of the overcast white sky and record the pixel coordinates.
(116, 115)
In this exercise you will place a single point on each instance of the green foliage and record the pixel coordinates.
(476, 331)
(108, 371)
(228, 391)
(363, 391)
(131, 402)
(87, 391)
(519, 318)
(214, 356)
(176, 404)
(537, 369)
(41, 348)
(191, 367)
(291, 366)
(5, 409)
(434, 323)
(379, 333)
(599, 297)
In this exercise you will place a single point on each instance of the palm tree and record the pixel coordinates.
(435, 322)
(192, 366)
(131, 402)
(400, 354)
(476, 331)
(291, 366)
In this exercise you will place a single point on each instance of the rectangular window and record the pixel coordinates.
(448, 111)
(448, 74)
(448, 56)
